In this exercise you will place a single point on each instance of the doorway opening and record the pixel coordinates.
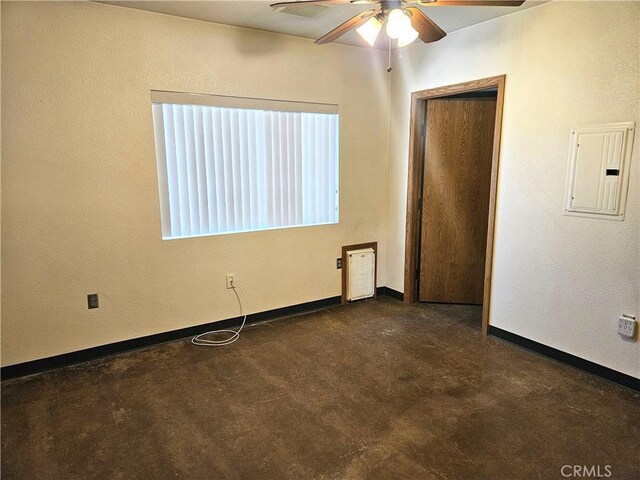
(453, 166)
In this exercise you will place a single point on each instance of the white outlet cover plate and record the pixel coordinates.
(627, 327)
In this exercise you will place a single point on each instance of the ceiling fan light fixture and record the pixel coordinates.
(407, 36)
(398, 22)
(370, 30)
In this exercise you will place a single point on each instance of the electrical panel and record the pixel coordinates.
(598, 173)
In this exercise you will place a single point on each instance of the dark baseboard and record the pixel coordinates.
(577, 362)
(389, 292)
(49, 363)
(71, 358)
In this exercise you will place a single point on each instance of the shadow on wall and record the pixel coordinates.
(252, 44)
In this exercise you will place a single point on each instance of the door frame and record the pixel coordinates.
(417, 131)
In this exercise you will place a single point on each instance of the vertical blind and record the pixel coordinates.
(224, 169)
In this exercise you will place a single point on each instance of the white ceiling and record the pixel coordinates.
(258, 15)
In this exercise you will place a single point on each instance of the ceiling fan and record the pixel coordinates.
(403, 23)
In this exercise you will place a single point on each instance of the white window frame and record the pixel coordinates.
(161, 99)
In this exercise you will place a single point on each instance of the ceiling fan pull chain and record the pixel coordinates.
(389, 67)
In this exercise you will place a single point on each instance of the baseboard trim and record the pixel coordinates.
(71, 358)
(390, 292)
(590, 367)
(79, 356)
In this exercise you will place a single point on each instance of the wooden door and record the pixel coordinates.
(455, 204)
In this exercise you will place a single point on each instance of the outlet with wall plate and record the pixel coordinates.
(627, 326)
(230, 279)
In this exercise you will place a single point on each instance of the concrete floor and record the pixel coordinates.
(375, 389)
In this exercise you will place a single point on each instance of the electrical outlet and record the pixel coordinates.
(92, 301)
(338, 263)
(230, 279)
(627, 326)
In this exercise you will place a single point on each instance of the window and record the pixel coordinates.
(228, 165)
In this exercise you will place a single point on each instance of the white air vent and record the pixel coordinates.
(302, 10)
(361, 271)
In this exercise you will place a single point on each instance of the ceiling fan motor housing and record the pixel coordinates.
(388, 5)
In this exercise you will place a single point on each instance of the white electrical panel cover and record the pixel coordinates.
(362, 274)
(598, 173)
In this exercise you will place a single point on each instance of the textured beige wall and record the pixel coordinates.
(80, 210)
(562, 281)
(79, 197)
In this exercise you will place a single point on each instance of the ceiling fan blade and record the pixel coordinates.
(427, 29)
(309, 2)
(472, 3)
(353, 22)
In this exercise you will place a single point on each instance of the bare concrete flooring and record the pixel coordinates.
(374, 389)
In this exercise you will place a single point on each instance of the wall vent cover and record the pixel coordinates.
(301, 10)
(362, 274)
